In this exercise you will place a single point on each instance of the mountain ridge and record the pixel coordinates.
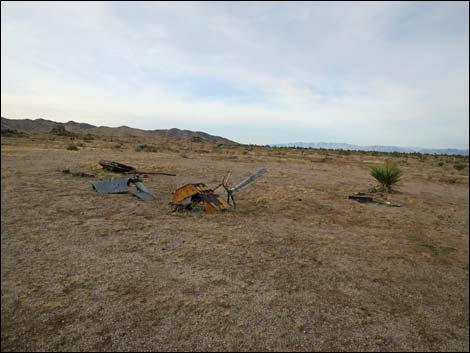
(40, 125)
(32, 126)
(373, 148)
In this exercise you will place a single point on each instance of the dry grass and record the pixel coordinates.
(296, 267)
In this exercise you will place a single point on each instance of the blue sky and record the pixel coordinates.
(362, 73)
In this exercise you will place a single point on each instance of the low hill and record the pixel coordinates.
(45, 126)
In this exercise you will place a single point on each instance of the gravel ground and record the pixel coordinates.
(296, 267)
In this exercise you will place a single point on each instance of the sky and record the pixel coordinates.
(366, 73)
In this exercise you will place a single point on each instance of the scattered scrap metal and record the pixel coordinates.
(361, 197)
(189, 196)
(122, 186)
(126, 169)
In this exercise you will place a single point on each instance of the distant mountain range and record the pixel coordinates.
(29, 126)
(346, 146)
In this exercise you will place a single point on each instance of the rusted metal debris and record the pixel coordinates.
(361, 197)
(194, 194)
(191, 195)
(79, 174)
(126, 169)
(122, 186)
(116, 167)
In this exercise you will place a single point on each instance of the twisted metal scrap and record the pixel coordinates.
(126, 169)
(242, 184)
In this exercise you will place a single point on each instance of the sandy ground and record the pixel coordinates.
(296, 267)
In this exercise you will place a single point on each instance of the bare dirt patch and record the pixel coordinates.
(297, 266)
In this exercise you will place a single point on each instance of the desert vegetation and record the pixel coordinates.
(387, 176)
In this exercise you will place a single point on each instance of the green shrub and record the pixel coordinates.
(459, 166)
(387, 176)
(440, 164)
(72, 148)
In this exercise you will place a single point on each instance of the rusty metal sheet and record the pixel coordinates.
(200, 194)
(213, 202)
(186, 191)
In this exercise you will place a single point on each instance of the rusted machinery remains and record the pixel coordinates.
(191, 195)
(125, 169)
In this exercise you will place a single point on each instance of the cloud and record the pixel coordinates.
(365, 73)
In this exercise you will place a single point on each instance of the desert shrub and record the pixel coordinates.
(72, 148)
(88, 137)
(459, 166)
(197, 139)
(448, 180)
(60, 130)
(12, 132)
(387, 176)
(146, 148)
(440, 164)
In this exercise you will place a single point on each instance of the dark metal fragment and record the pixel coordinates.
(121, 186)
(125, 169)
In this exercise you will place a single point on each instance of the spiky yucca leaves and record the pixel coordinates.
(387, 176)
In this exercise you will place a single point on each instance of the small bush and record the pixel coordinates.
(459, 166)
(88, 137)
(387, 176)
(440, 164)
(12, 132)
(299, 326)
(146, 148)
(197, 139)
(60, 130)
(72, 148)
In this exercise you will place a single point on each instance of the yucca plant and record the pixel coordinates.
(387, 176)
